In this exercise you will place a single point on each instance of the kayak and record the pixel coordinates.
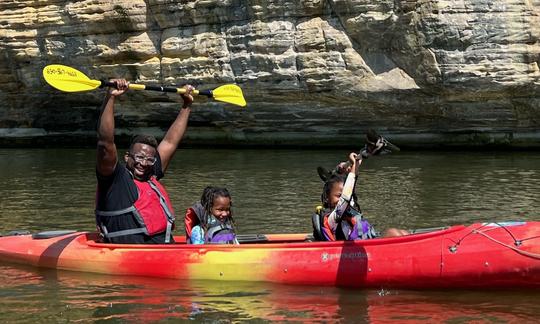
(481, 255)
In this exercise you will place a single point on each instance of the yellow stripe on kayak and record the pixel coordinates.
(232, 265)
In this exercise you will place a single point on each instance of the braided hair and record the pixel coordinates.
(209, 194)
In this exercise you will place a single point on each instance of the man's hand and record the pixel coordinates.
(121, 87)
(187, 97)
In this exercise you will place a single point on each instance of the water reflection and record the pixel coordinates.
(57, 296)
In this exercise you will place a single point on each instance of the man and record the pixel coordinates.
(131, 205)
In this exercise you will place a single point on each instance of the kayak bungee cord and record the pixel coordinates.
(529, 254)
(454, 247)
(517, 242)
(458, 242)
(530, 238)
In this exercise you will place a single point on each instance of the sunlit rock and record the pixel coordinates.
(425, 73)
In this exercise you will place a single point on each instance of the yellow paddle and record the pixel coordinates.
(68, 79)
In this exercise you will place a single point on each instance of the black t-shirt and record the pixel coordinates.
(116, 192)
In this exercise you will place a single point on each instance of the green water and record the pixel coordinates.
(274, 191)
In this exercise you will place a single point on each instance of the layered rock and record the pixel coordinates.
(313, 72)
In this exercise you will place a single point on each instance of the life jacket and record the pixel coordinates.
(152, 210)
(352, 226)
(216, 232)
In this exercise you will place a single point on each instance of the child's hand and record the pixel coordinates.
(355, 161)
(353, 158)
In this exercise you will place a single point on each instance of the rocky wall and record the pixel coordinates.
(314, 72)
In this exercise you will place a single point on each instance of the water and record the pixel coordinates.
(274, 191)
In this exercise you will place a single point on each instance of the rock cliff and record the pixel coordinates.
(314, 72)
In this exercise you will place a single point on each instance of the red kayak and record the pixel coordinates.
(483, 255)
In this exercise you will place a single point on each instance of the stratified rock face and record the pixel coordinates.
(313, 72)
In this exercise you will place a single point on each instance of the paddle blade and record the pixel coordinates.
(377, 144)
(68, 79)
(230, 93)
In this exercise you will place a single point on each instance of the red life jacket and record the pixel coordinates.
(152, 210)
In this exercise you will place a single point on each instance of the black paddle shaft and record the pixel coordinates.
(207, 93)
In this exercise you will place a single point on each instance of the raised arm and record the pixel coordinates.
(346, 194)
(106, 149)
(167, 147)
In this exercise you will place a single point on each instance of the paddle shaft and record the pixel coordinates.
(134, 86)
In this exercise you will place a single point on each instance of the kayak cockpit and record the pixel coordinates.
(92, 240)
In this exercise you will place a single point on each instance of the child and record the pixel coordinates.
(340, 220)
(210, 220)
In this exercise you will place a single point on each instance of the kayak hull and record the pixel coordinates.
(505, 255)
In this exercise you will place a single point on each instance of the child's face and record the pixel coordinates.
(335, 194)
(221, 208)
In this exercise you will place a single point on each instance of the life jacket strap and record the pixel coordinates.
(107, 234)
(115, 212)
(168, 212)
(125, 232)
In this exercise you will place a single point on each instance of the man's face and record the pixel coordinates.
(140, 161)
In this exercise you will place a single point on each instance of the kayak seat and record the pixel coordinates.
(51, 234)
(251, 238)
(317, 230)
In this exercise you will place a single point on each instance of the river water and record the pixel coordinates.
(274, 191)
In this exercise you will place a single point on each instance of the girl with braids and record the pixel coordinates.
(210, 220)
(340, 220)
